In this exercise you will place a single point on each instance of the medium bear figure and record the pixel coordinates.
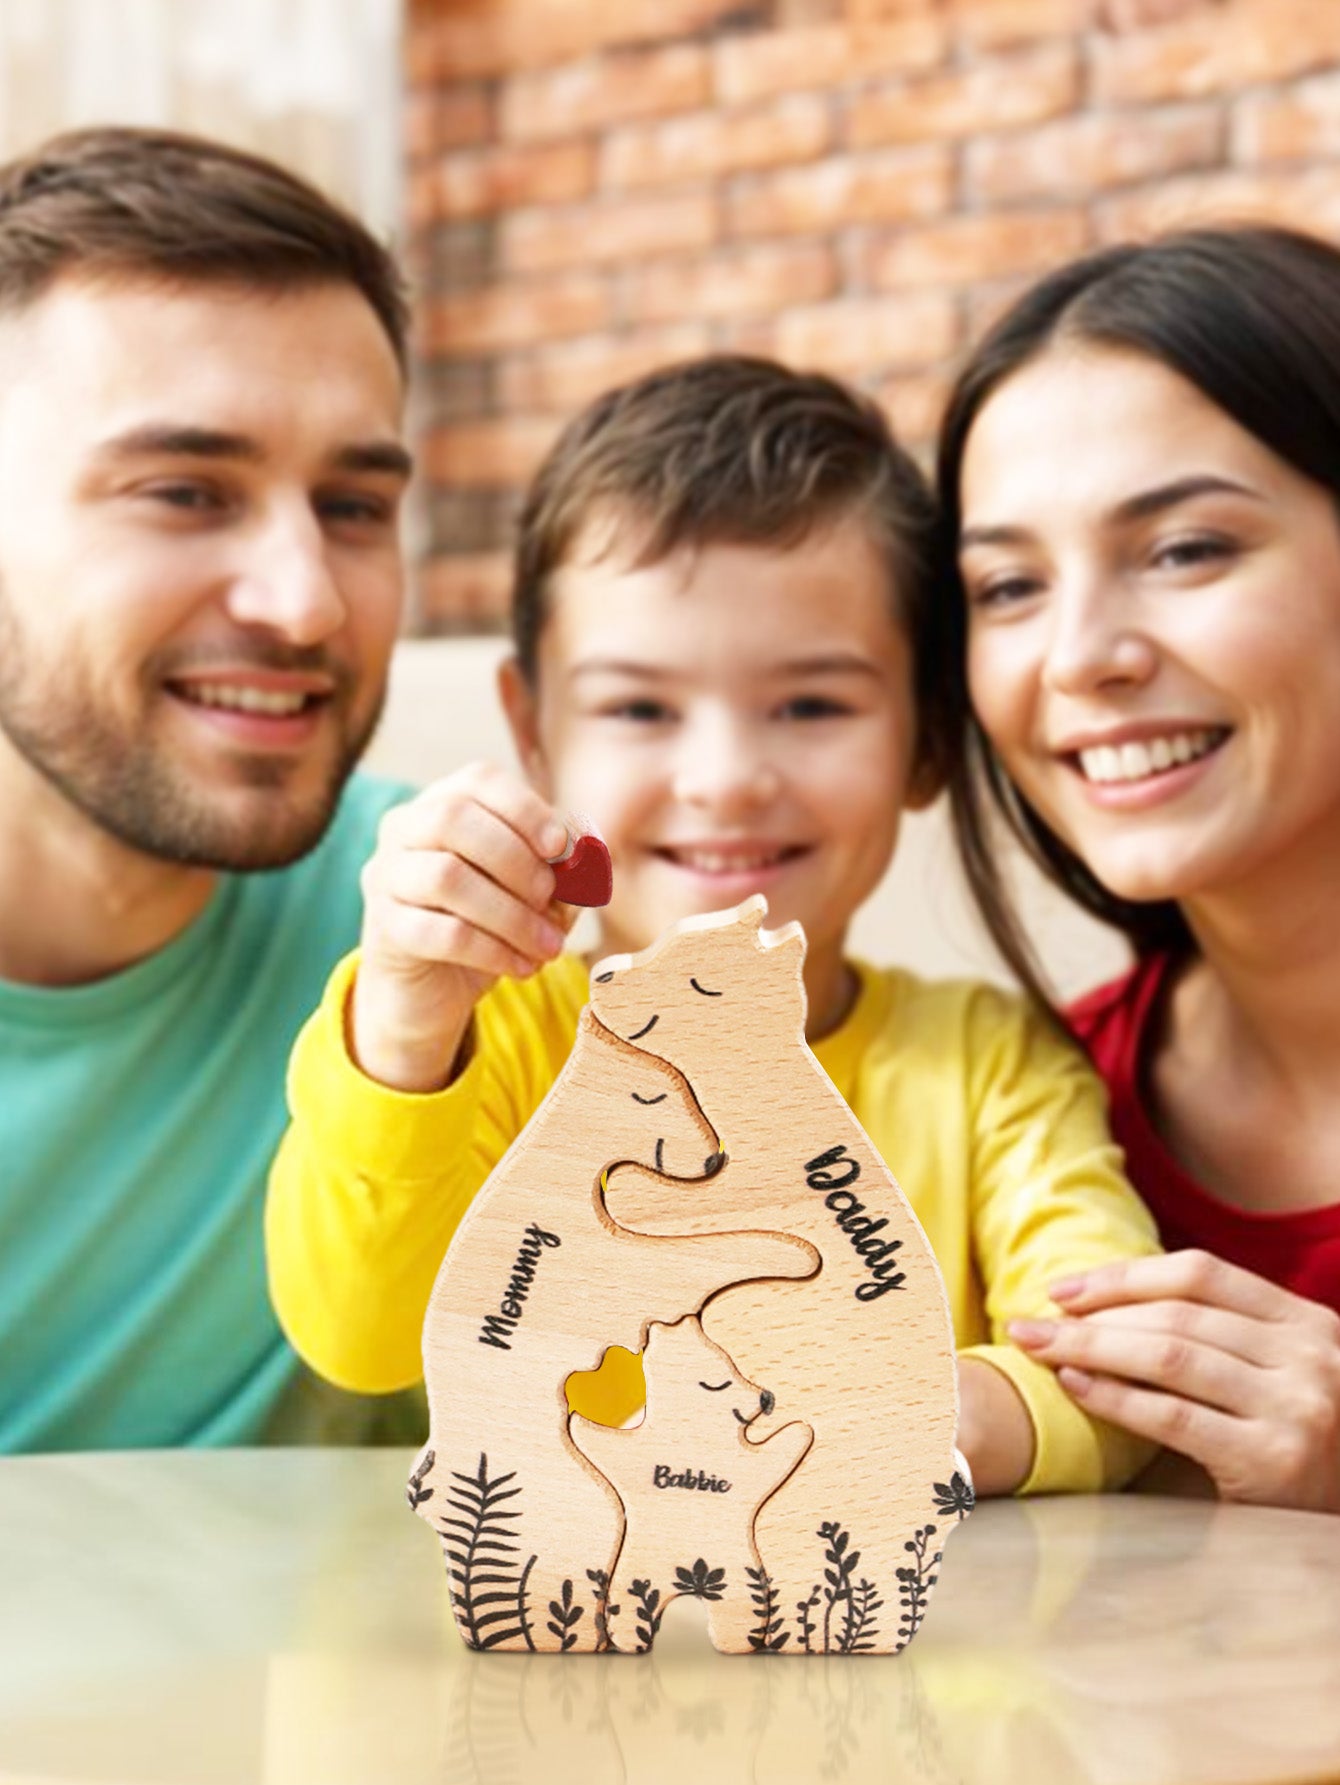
(863, 1351)
(691, 1483)
(537, 1283)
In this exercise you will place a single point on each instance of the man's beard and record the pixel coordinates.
(129, 786)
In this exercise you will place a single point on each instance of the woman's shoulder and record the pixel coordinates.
(1110, 1020)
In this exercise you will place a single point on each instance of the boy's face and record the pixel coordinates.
(735, 720)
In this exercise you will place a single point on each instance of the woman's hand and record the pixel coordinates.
(1212, 1361)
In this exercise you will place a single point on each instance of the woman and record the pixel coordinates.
(1141, 466)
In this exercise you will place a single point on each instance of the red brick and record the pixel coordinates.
(964, 250)
(988, 303)
(704, 145)
(1295, 125)
(517, 315)
(874, 12)
(602, 90)
(562, 379)
(1307, 200)
(1001, 24)
(862, 336)
(1215, 51)
(477, 182)
(1092, 152)
(915, 404)
(1136, 15)
(742, 282)
(465, 592)
(881, 188)
(607, 230)
(487, 455)
(998, 93)
(470, 38)
(761, 65)
(442, 118)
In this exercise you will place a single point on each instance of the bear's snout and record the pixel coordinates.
(766, 1400)
(713, 1164)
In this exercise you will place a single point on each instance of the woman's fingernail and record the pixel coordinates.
(1031, 1332)
(1066, 1289)
(1075, 1382)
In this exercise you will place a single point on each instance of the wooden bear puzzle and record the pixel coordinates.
(694, 1188)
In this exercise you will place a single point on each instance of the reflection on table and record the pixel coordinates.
(281, 1617)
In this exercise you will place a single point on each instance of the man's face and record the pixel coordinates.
(200, 573)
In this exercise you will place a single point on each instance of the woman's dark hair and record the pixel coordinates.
(1251, 317)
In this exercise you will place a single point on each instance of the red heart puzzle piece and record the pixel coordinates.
(584, 877)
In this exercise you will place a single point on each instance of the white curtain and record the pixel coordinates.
(314, 83)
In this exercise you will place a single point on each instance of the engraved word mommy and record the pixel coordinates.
(498, 1328)
(833, 1171)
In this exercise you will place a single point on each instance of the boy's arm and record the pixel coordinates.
(1049, 1199)
(366, 1192)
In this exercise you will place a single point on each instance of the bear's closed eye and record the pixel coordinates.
(703, 989)
(650, 1100)
(715, 1388)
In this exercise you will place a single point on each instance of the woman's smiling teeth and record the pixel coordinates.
(1151, 756)
(237, 699)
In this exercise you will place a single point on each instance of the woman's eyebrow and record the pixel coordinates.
(1167, 495)
(1134, 508)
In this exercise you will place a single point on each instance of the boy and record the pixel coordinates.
(729, 654)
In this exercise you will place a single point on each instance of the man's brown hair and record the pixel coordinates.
(734, 449)
(114, 201)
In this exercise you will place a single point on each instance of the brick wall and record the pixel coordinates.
(596, 186)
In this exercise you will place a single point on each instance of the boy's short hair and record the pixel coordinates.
(119, 201)
(735, 449)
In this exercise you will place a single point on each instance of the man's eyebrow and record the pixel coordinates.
(385, 456)
(1139, 507)
(172, 440)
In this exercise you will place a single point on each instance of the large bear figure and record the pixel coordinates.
(863, 1350)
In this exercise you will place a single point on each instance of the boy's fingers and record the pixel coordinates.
(488, 843)
(451, 887)
(427, 821)
(423, 934)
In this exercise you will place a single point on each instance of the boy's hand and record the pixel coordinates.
(458, 893)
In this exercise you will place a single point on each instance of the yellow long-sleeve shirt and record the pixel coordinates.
(993, 1125)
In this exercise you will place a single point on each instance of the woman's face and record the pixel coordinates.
(1154, 625)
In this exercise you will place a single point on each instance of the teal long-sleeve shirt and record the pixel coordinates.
(138, 1118)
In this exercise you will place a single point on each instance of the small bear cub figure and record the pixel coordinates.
(691, 1483)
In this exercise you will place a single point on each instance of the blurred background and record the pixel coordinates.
(584, 188)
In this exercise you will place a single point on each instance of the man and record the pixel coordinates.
(201, 465)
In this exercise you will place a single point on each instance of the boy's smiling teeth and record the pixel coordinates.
(733, 859)
(1138, 761)
(236, 698)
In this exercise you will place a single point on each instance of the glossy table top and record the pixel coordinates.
(280, 1616)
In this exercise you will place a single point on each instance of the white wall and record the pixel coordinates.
(443, 711)
(313, 83)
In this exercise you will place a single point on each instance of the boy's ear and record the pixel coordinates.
(523, 719)
(925, 784)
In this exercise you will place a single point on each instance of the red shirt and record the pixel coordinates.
(1299, 1249)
